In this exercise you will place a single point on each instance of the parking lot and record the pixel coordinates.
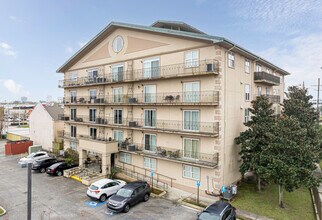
(63, 198)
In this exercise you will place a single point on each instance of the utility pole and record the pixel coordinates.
(29, 192)
(318, 96)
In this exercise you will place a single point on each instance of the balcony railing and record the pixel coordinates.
(140, 123)
(274, 98)
(166, 71)
(172, 153)
(67, 135)
(169, 98)
(266, 78)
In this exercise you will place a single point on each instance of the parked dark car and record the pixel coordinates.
(58, 168)
(42, 164)
(128, 196)
(220, 210)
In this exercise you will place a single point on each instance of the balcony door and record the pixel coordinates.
(191, 148)
(73, 114)
(93, 133)
(118, 136)
(191, 120)
(92, 74)
(151, 68)
(149, 118)
(150, 93)
(191, 91)
(92, 95)
(73, 95)
(92, 114)
(117, 73)
(118, 95)
(150, 142)
(118, 115)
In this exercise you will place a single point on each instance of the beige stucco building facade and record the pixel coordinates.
(171, 96)
(44, 126)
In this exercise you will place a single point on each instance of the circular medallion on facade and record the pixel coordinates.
(118, 44)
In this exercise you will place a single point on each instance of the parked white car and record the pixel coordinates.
(104, 188)
(32, 157)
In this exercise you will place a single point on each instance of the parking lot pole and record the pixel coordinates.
(29, 192)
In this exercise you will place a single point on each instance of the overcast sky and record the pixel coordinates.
(38, 36)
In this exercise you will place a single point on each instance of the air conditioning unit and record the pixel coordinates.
(130, 147)
(210, 67)
(132, 124)
(133, 100)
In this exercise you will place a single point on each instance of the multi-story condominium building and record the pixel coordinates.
(166, 98)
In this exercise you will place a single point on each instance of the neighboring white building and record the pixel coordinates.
(44, 125)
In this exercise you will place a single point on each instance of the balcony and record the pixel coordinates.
(169, 98)
(204, 67)
(167, 126)
(266, 78)
(96, 145)
(204, 159)
(67, 136)
(274, 98)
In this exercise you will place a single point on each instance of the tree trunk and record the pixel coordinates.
(258, 183)
(280, 196)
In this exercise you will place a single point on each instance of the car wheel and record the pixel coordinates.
(42, 170)
(146, 197)
(59, 173)
(126, 208)
(103, 198)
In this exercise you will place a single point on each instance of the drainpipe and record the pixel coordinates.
(225, 111)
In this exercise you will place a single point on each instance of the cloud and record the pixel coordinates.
(14, 87)
(7, 49)
(82, 43)
(14, 18)
(301, 56)
(69, 49)
(279, 16)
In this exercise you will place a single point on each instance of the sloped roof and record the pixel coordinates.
(178, 33)
(176, 24)
(54, 111)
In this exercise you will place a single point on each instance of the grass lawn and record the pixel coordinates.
(321, 164)
(298, 203)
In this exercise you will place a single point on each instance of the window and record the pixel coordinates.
(73, 131)
(191, 172)
(259, 90)
(191, 92)
(150, 141)
(192, 58)
(247, 92)
(226, 215)
(92, 95)
(246, 115)
(118, 44)
(73, 96)
(92, 74)
(191, 148)
(151, 68)
(150, 93)
(231, 59)
(73, 76)
(150, 163)
(118, 95)
(118, 116)
(73, 145)
(118, 136)
(92, 114)
(149, 118)
(258, 68)
(191, 120)
(93, 133)
(268, 70)
(117, 73)
(125, 158)
(267, 91)
(73, 114)
(247, 66)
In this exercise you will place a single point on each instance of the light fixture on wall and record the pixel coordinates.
(241, 107)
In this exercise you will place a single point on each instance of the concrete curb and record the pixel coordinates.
(4, 211)
(190, 206)
(314, 205)
(159, 196)
(250, 216)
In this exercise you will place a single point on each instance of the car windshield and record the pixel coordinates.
(209, 216)
(93, 187)
(31, 155)
(124, 192)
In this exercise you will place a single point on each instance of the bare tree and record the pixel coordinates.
(2, 121)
